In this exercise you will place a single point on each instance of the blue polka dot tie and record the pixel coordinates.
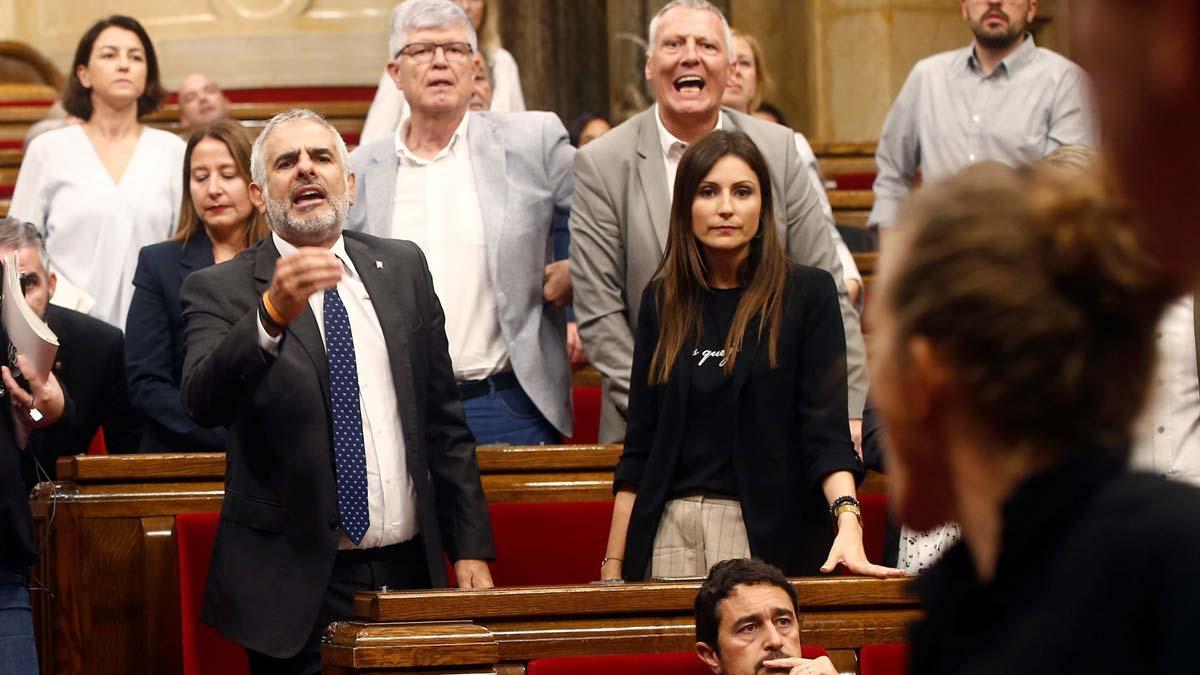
(348, 448)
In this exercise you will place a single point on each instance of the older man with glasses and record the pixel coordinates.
(477, 191)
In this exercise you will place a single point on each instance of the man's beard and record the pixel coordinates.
(307, 227)
(1016, 30)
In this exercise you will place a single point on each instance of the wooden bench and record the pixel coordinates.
(498, 631)
(110, 558)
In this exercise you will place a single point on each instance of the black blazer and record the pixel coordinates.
(90, 366)
(279, 529)
(791, 430)
(17, 550)
(154, 346)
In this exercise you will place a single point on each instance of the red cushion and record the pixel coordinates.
(889, 659)
(855, 181)
(548, 543)
(669, 663)
(587, 416)
(874, 513)
(97, 446)
(205, 652)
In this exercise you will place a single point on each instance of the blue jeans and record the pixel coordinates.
(18, 655)
(508, 416)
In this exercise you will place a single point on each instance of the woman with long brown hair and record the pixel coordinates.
(1014, 341)
(737, 442)
(216, 222)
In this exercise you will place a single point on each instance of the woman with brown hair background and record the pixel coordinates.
(216, 221)
(1013, 339)
(737, 412)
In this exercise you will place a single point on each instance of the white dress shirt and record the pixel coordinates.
(673, 148)
(436, 205)
(391, 499)
(94, 227)
(1167, 435)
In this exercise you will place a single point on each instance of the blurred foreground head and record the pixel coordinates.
(1016, 310)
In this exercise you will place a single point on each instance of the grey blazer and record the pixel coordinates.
(619, 222)
(522, 166)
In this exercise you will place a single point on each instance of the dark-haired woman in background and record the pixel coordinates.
(101, 190)
(737, 408)
(216, 222)
(1013, 346)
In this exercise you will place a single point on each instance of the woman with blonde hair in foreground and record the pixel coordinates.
(1014, 341)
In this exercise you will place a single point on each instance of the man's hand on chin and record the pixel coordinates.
(473, 574)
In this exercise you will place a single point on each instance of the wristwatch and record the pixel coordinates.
(845, 504)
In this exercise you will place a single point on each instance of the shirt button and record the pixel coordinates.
(975, 119)
(971, 157)
(1162, 430)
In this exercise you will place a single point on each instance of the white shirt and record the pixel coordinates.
(436, 206)
(391, 499)
(1167, 435)
(389, 109)
(93, 227)
(673, 148)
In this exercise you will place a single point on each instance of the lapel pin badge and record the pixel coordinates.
(378, 264)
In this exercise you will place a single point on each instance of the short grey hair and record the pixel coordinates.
(423, 15)
(691, 4)
(17, 234)
(258, 160)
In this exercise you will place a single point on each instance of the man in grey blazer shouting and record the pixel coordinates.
(623, 188)
(477, 192)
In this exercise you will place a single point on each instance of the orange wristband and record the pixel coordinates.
(272, 313)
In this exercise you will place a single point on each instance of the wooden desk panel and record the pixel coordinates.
(839, 614)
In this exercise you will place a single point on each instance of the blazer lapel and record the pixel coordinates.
(381, 189)
(195, 254)
(395, 326)
(652, 172)
(489, 166)
(304, 328)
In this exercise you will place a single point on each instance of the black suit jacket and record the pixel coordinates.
(791, 430)
(154, 346)
(279, 528)
(17, 550)
(90, 367)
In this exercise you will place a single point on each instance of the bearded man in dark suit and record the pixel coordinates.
(350, 464)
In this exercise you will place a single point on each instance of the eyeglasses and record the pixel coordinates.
(422, 52)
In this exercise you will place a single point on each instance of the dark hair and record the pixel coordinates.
(682, 274)
(1034, 287)
(772, 110)
(77, 99)
(237, 139)
(722, 579)
(575, 133)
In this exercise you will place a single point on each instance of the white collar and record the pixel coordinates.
(667, 140)
(338, 248)
(403, 152)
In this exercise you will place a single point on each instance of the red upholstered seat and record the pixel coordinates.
(889, 659)
(855, 181)
(875, 513)
(587, 416)
(670, 663)
(205, 652)
(548, 543)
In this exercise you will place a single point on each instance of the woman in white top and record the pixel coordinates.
(744, 92)
(389, 109)
(101, 190)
